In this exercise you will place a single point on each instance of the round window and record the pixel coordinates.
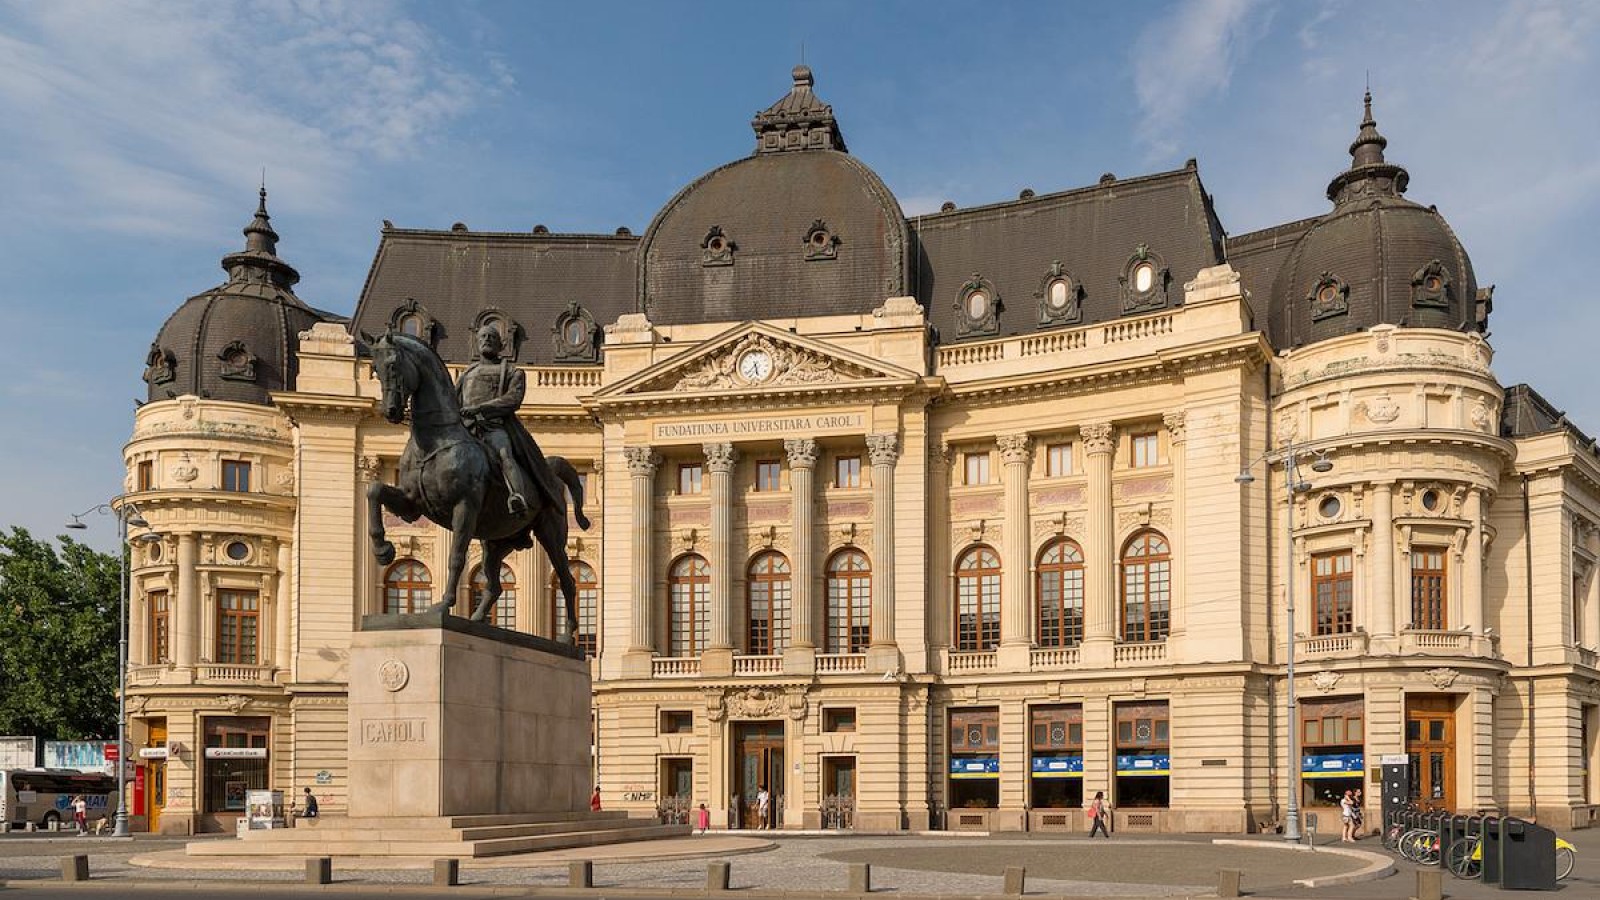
(153, 551)
(716, 245)
(977, 305)
(1430, 500)
(1327, 293)
(1329, 507)
(1433, 283)
(818, 238)
(1058, 293)
(238, 551)
(1144, 277)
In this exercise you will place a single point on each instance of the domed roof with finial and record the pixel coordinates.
(1376, 258)
(236, 341)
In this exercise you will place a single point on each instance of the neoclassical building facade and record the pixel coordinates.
(913, 522)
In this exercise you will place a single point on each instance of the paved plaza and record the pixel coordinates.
(902, 865)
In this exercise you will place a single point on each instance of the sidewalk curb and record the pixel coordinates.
(1378, 865)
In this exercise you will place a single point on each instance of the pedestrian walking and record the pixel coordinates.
(1347, 817)
(702, 819)
(763, 807)
(594, 800)
(80, 813)
(1097, 815)
(310, 806)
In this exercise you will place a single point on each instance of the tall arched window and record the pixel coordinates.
(849, 621)
(769, 590)
(978, 600)
(505, 610)
(1059, 587)
(1146, 588)
(407, 587)
(588, 608)
(688, 604)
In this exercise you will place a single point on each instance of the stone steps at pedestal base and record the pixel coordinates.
(441, 830)
(435, 843)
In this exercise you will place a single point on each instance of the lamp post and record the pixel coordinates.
(127, 515)
(1292, 485)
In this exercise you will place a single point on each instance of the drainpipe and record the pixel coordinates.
(1527, 546)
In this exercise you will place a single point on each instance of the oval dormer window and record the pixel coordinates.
(977, 305)
(1058, 294)
(574, 333)
(1144, 276)
(411, 324)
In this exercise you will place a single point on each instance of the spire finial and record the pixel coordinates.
(1368, 169)
(1367, 150)
(259, 236)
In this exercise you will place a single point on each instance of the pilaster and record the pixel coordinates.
(1016, 625)
(717, 657)
(642, 465)
(1099, 587)
(884, 451)
(800, 657)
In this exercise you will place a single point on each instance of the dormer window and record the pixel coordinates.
(820, 242)
(1430, 286)
(717, 248)
(1060, 297)
(977, 308)
(1144, 281)
(412, 318)
(160, 365)
(411, 324)
(1144, 275)
(575, 335)
(1329, 297)
(238, 363)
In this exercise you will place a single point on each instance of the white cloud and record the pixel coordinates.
(1186, 56)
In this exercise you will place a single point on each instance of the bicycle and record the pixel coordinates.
(1421, 846)
(1465, 859)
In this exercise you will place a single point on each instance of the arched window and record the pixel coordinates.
(588, 608)
(411, 324)
(849, 625)
(688, 603)
(978, 600)
(1146, 588)
(407, 587)
(769, 590)
(1059, 587)
(505, 610)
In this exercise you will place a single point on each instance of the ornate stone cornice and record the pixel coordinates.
(642, 461)
(884, 449)
(720, 457)
(1015, 448)
(1097, 437)
(802, 452)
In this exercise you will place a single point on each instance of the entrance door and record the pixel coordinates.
(838, 791)
(155, 779)
(1431, 745)
(758, 763)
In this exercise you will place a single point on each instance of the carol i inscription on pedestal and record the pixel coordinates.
(393, 731)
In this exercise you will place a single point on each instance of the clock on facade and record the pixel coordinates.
(755, 365)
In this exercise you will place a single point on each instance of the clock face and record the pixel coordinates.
(756, 365)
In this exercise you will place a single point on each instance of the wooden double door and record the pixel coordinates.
(1431, 746)
(758, 763)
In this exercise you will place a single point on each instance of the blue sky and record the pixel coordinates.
(137, 132)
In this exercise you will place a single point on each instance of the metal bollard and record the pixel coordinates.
(75, 868)
(1430, 885)
(580, 874)
(1228, 881)
(446, 872)
(319, 870)
(718, 875)
(1016, 881)
(860, 878)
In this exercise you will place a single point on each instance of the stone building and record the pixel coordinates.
(929, 521)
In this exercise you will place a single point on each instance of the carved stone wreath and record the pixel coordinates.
(790, 366)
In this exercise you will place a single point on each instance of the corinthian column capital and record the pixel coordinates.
(1097, 437)
(642, 461)
(1177, 424)
(1015, 448)
(802, 452)
(720, 457)
(883, 448)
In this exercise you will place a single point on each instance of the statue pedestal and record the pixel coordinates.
(450, 717)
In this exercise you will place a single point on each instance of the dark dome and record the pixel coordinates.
(799, 228)
(1376, 259)
(236, 341)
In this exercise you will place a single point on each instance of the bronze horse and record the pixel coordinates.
(449, 476)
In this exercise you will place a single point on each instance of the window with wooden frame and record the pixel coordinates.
(975, 467)
(1428, 603)
(848, 628)
(1146, 588)
(238, 617)
(236, 476)
(1146, 450)
(688, 605)
(691, 478)
(145, 475)
(1332, 593)
(978, 600)
(160, 605)
(1143, 727)
(407, 587)
(1057, 729)
(1330, 723)
(677, 721)
(839, 719)
(768, 590)
(1058, 587)
(588, 608)
(847, 472)
(975, 731)
(1057, 460)
(768, 472)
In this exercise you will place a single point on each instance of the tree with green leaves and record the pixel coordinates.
(58, 639)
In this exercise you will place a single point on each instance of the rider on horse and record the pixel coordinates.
(490, 392)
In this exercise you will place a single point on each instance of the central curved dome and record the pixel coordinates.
(799, 228)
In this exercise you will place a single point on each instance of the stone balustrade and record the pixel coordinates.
(835, 663)
(675, 667)
(758, 665)
(1139, 654)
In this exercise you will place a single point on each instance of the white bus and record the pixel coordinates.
(43, 796)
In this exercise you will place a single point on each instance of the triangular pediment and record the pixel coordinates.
(758, 357)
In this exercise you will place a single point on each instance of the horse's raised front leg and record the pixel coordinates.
(462, 521)
(379, 496)
(494, 554)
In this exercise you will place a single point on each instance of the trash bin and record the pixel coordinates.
(1527, 856)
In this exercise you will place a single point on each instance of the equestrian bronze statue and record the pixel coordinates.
(471, 466)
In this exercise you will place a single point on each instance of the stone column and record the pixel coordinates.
(1099, 583)
(717, 659)
(1016, 619)
(1177, 434)
(1382, 581)
(800, 658)
(1472, 563)
(186, 605)
(884, 450)
(940, 457)
(642, 465)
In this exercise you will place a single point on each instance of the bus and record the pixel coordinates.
(44, 796)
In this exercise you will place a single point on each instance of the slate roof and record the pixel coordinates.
(1258, 256)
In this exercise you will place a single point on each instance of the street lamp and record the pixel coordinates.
(1290, 456)
(127, 515)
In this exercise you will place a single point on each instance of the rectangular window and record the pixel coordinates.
(236, 761)
(236, 476)
(847, 472)
(1058, 460)
(690, 478)
(146, 475)
(1332, 760)
(677, 721)
(975, 731)
(237, 618)
(767, 474)
(1331, 591)
(840, 718)
(1427, 590)
(976, 468)
(160, 627)
(1146, 451)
